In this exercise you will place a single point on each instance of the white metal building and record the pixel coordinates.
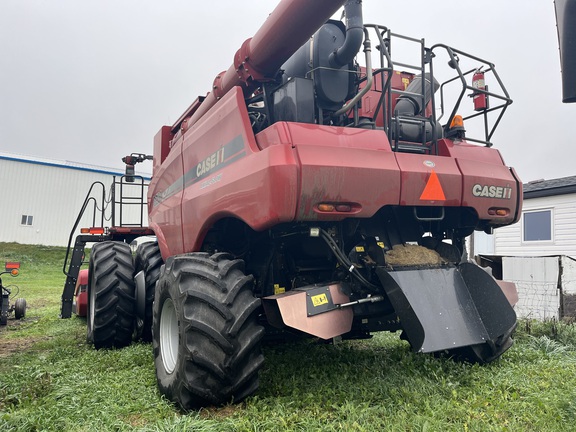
(42, 198)
(546, 286)
(547, 225)
(538, 253)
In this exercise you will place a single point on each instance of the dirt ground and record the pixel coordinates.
(8, 345)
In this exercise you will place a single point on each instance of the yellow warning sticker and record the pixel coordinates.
(319, 300)
(359, 248)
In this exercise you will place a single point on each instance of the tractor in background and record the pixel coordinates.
(19, 306)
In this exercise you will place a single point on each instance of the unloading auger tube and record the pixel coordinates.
(287, 28)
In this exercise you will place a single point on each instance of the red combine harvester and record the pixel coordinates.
(322, 188)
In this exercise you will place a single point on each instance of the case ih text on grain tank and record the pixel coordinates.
(324, 187)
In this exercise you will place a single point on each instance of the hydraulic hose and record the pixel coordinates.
(344, 261)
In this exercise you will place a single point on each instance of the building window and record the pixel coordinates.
(26, 220)
(538, 225)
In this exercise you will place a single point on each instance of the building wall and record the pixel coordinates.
(508, 241)
(546, 286)
(52, 194)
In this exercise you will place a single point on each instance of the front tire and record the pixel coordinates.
(110, 319)
(206, 335)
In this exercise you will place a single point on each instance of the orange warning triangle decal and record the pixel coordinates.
(433, 190)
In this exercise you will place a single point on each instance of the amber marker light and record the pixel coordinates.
(457, 122)
(326, 207)
(337, 207)
(93, 230)
(496, 211)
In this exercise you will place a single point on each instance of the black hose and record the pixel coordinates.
(343, 260)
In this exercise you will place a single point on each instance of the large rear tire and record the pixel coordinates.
(206, 335)
(110, 317)
(149, 260)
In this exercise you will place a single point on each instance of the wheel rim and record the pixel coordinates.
(168, 336)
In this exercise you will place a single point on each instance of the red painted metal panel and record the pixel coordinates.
(161, 146)
(487, 183)
(400, 81)
(226, 174)
(341, 165)
(464, 150)
(164, 204)
(417, 171)
(489, 186)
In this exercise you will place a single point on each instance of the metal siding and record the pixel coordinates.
(483, 243)
(508, 240)
(52, 195)
(536, 280)
(568, 275)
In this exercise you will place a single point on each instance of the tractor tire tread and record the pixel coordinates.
(111, 278)
(148, 259)
(219, 356)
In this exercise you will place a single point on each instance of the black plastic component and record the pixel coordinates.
(333, 86)
(294, 101)
(565, 18)
(413, 130)
(409, 123)
(412, 105)
(447, 308)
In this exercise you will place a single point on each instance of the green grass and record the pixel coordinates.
(56, 382)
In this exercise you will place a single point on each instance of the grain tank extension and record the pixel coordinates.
(322, 188)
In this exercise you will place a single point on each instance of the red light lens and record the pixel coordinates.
(343, 208)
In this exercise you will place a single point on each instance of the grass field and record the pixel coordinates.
(51, 380)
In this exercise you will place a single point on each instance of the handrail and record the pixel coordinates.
(89, 198)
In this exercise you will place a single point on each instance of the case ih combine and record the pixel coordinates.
(321, 188)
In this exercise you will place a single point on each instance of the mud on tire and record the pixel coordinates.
(110, 317)
(149, 260)
(206, 336)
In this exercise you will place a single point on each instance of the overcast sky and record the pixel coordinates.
(93, 80)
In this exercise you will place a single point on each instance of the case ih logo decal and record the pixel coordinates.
(225, 155)
(210, 162)
(488, 191)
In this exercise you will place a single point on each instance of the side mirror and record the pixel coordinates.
(566, 23)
